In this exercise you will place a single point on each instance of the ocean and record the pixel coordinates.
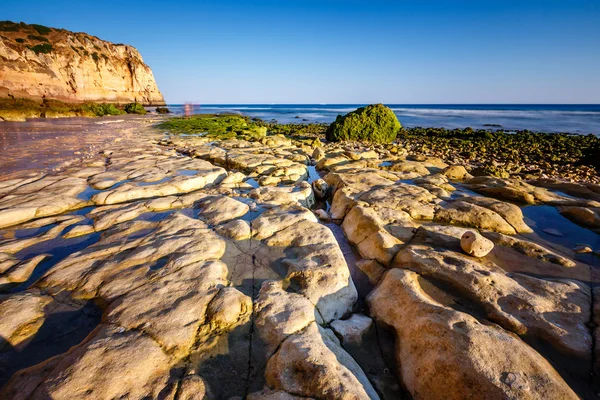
(580, 119)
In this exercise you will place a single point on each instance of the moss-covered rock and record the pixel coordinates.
(375, 123)
(225, 126)
(100, 110)
(135, 108)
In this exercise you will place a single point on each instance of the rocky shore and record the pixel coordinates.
(264, 266)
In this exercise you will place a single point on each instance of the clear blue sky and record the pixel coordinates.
(319, 51)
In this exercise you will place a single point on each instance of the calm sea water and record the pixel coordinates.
(582, 119)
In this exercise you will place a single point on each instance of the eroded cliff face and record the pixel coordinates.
(36, 61)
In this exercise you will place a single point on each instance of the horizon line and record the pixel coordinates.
(403, 104)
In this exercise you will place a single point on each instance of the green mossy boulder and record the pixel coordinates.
(100, 110)
(375, 123)
(135, 108)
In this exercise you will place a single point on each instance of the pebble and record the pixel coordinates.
(582, 249)
(475, 245)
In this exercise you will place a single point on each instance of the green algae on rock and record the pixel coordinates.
(212, 125)
(19, 109)
(135, 108)
(375, 123)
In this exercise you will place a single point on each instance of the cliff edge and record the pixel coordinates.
(40, 62)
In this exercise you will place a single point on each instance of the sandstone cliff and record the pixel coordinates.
(37, 61)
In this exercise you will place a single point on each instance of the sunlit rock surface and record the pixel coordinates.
(183, 267)
(74, 67)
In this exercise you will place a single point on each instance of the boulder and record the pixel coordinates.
(475, 245)
(352, 330)
(551, 311)
(464, 355)
(320, 188)
(457, 173)
(315, 352)
(375, 123)
(472, 215)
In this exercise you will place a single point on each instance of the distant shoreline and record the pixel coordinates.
(556, 118)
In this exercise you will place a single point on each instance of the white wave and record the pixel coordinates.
(492, 113)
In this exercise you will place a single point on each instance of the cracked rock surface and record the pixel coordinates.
(188, 268)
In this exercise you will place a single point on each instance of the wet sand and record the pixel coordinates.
(47, 144)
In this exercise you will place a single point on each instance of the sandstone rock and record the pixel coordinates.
(234, 177)
(172, 308)
(343, 201)
(268, 394)
(280, 314)
(471, 215)
(510, 212)
(178, 184)
(464, 355)
(269, 181)
(416, 201)
(320, 188)
(457, 172)
(318, 154)
(227, 308)
(21, 271)
(117, 74)
(552, 311)
(315, 266)
(276, 220)
(362, 182)
(365, 229)
(529, 249)
(48, 196)
(410, 167)
(322, 215)
(299, 194)
(112, 363)
(352, 330)
(193, 387)
(236, 229)
(218, 209)
(583, 249)
(476, 245)
(316, 352)
(372, 269)
(581, 215)
(122, 265)
(21, 315)
(505, 189)
(79, 230)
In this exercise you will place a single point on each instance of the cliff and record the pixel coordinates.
(37, 61)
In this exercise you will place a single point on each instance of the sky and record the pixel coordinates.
(349, 52)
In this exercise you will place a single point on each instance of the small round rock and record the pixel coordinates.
(475, 245)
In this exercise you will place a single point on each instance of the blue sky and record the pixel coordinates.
(291, 51)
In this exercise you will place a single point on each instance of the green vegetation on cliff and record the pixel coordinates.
(9, 26)
(101, 110)
(19, 109)
(375, 123)
(135, 108)
(211, 125)
(38, 38)
(44, 48)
